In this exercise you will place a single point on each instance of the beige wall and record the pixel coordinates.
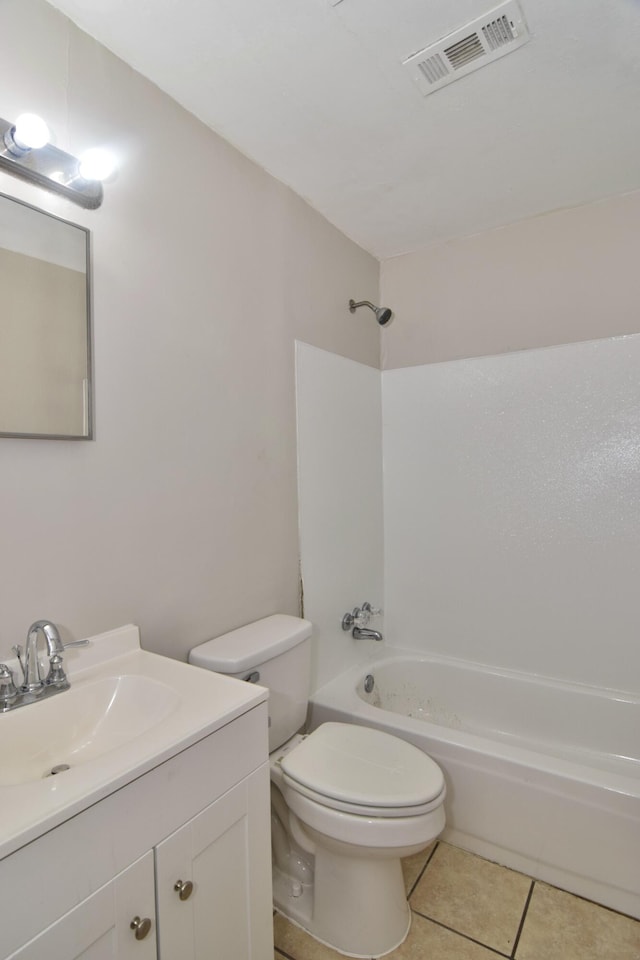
(181, 516)
(560, 278)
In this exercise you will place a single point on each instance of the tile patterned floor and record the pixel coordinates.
(466, 908)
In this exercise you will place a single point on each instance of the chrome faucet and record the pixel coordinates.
(34, 682)
(34, 686)
(357, 621)
(365, 633)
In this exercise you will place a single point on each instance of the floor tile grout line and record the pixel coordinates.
(522, 919)
(465, 936)
(594, 903)
(421, 874)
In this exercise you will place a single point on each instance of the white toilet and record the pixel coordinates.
(347, 801)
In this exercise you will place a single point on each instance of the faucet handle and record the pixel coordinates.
(359, 617)
(8, 690)
(350, 619)
(372, 611)
(56, 676)
(17, 649)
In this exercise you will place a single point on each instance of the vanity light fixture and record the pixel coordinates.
(97, 164)
(30, 132)
(25, 152)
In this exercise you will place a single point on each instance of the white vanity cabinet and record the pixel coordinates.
(205, 882)
(99, 928)
(186, 846)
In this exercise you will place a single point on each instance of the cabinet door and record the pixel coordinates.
(99, 928)
(224, 853)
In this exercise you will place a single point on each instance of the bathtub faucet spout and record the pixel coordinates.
(365, 633)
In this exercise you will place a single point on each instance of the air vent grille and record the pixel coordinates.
(433, 69)
(497, 33)
(478, 43)
(464, 51)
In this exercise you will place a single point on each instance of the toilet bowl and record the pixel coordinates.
(347, 801)
(350, 819)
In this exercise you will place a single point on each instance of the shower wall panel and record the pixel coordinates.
(512, 510)
(340, 500)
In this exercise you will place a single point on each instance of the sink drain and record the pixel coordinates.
(59, 768)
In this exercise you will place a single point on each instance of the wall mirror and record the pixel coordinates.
(45, 341)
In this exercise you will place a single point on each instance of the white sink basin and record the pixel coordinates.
(80, 724)
(126, 712)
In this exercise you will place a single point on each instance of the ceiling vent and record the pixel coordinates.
(478, 43)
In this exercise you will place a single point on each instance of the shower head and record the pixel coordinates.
(383, 314)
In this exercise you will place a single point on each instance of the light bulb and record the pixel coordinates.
(97, 164)
(30, 132)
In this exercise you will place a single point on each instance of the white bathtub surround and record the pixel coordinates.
(340, 500)
(542, 776)
(511, 507)
(512, 510)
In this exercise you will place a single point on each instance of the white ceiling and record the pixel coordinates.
(315, 93)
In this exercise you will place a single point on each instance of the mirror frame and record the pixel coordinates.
(89, 435)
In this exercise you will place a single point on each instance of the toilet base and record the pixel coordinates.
(357, 956)
(356, 906)
(293, 899)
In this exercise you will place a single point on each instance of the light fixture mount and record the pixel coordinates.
(48, 167)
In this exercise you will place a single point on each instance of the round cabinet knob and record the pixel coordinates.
(141, 927)
(184, 888)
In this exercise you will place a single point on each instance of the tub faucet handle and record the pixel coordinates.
(371, 611)
(353, 618)
(360, 616)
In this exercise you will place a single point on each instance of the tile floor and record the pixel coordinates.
(466, 908)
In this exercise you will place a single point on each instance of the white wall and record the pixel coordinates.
(181, 516)
(512, 510)
(563, 277)
(340, 495)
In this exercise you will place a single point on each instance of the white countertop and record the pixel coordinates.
(186, 703)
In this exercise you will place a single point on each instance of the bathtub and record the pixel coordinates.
(542, 776)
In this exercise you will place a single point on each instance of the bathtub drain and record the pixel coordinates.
(368, 683)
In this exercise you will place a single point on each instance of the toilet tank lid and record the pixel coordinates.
(254, 643)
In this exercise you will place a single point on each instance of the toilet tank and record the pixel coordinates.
(278, 649)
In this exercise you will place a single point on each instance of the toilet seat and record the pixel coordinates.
(403, 834)
(365, 810)
(363, 771)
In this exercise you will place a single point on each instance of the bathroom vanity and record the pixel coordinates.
(164, 853)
